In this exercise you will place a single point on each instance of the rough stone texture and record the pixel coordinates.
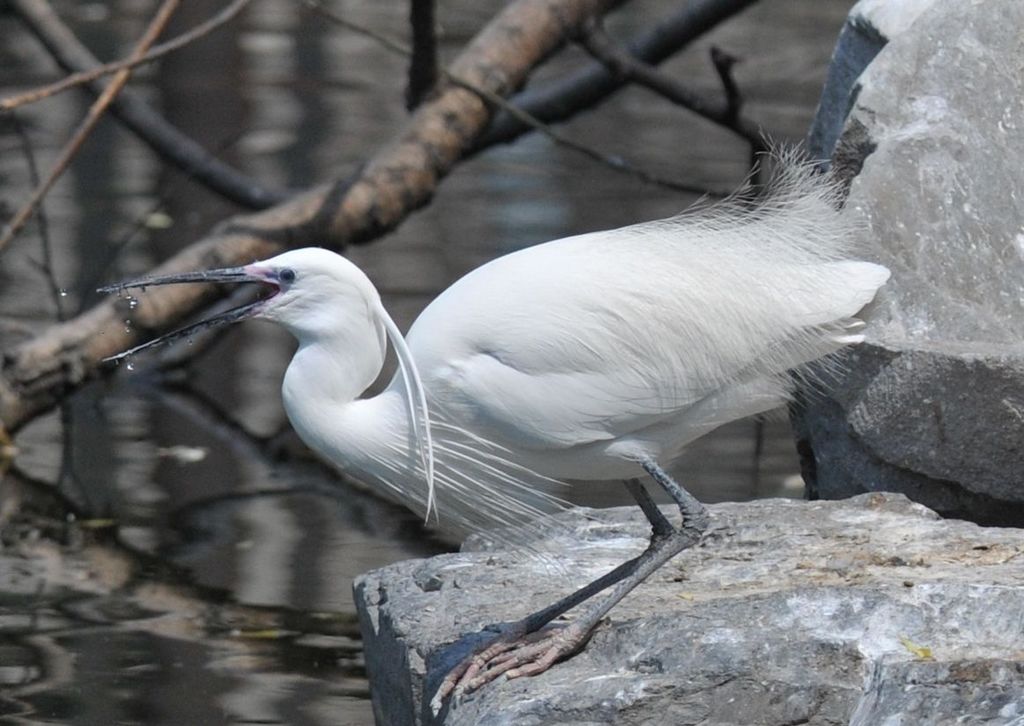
(868, 611)
(934, 404)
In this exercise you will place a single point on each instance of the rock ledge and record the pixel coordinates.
(838, 612)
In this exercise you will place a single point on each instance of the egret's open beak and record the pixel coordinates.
(251, 273)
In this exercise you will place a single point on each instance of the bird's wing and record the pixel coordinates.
(593, 337)
(578, 348)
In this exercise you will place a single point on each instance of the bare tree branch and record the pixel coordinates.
(171, 144)
(399, 179)
(725, 114)
(156, 52)
(423, 62)
(613, 162)
(560, 100)
(156, 26)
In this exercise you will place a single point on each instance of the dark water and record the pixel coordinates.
(205, 576)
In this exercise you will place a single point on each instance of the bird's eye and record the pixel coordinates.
(287, 275)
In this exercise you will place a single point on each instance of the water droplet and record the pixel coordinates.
(63, 292)
(129, 365)
(132, 303)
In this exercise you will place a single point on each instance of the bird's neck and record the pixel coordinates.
(373, 439)
(333, 373)
(320, 393)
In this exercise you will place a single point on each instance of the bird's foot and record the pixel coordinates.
(514, 653)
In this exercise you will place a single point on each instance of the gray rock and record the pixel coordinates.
(870, 25)
(934, 404)
(867, 611)
(943, 427)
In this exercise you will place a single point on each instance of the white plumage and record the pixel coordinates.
(572, 358)
(593, 357)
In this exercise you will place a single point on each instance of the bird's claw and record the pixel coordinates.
(512, 654)
(458, 679)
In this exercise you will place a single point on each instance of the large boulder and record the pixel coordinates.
(925, 108)
(867, 611)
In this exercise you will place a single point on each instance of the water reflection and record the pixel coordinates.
(209, 581)
(229, 607)
(111, 675)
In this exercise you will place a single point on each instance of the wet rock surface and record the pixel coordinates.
(788, 612)
(933, 406)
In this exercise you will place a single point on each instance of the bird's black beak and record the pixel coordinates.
(251, 273)
(227, 274)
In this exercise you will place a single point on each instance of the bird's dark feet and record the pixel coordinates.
(532, 645)
(513, 653)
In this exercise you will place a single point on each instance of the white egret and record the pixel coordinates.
(598, 356)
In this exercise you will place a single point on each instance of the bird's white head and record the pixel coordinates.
(314, 293)
(318, 295)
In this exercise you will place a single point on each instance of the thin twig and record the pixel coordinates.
(395, 46)
(560, 99)
(494, 99)
(46, 244)
(723, 63)
(726, 114)
(613, 162)
(67, 473)
(134, 112)
(156, 26)
(595, 40)
(155, 53)
(423, 62)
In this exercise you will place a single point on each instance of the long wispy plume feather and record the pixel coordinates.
(417, 398)
(478, 487)
(472, 483)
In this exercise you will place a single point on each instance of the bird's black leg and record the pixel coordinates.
(527, 648)
(694, 515)
(660, 526)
